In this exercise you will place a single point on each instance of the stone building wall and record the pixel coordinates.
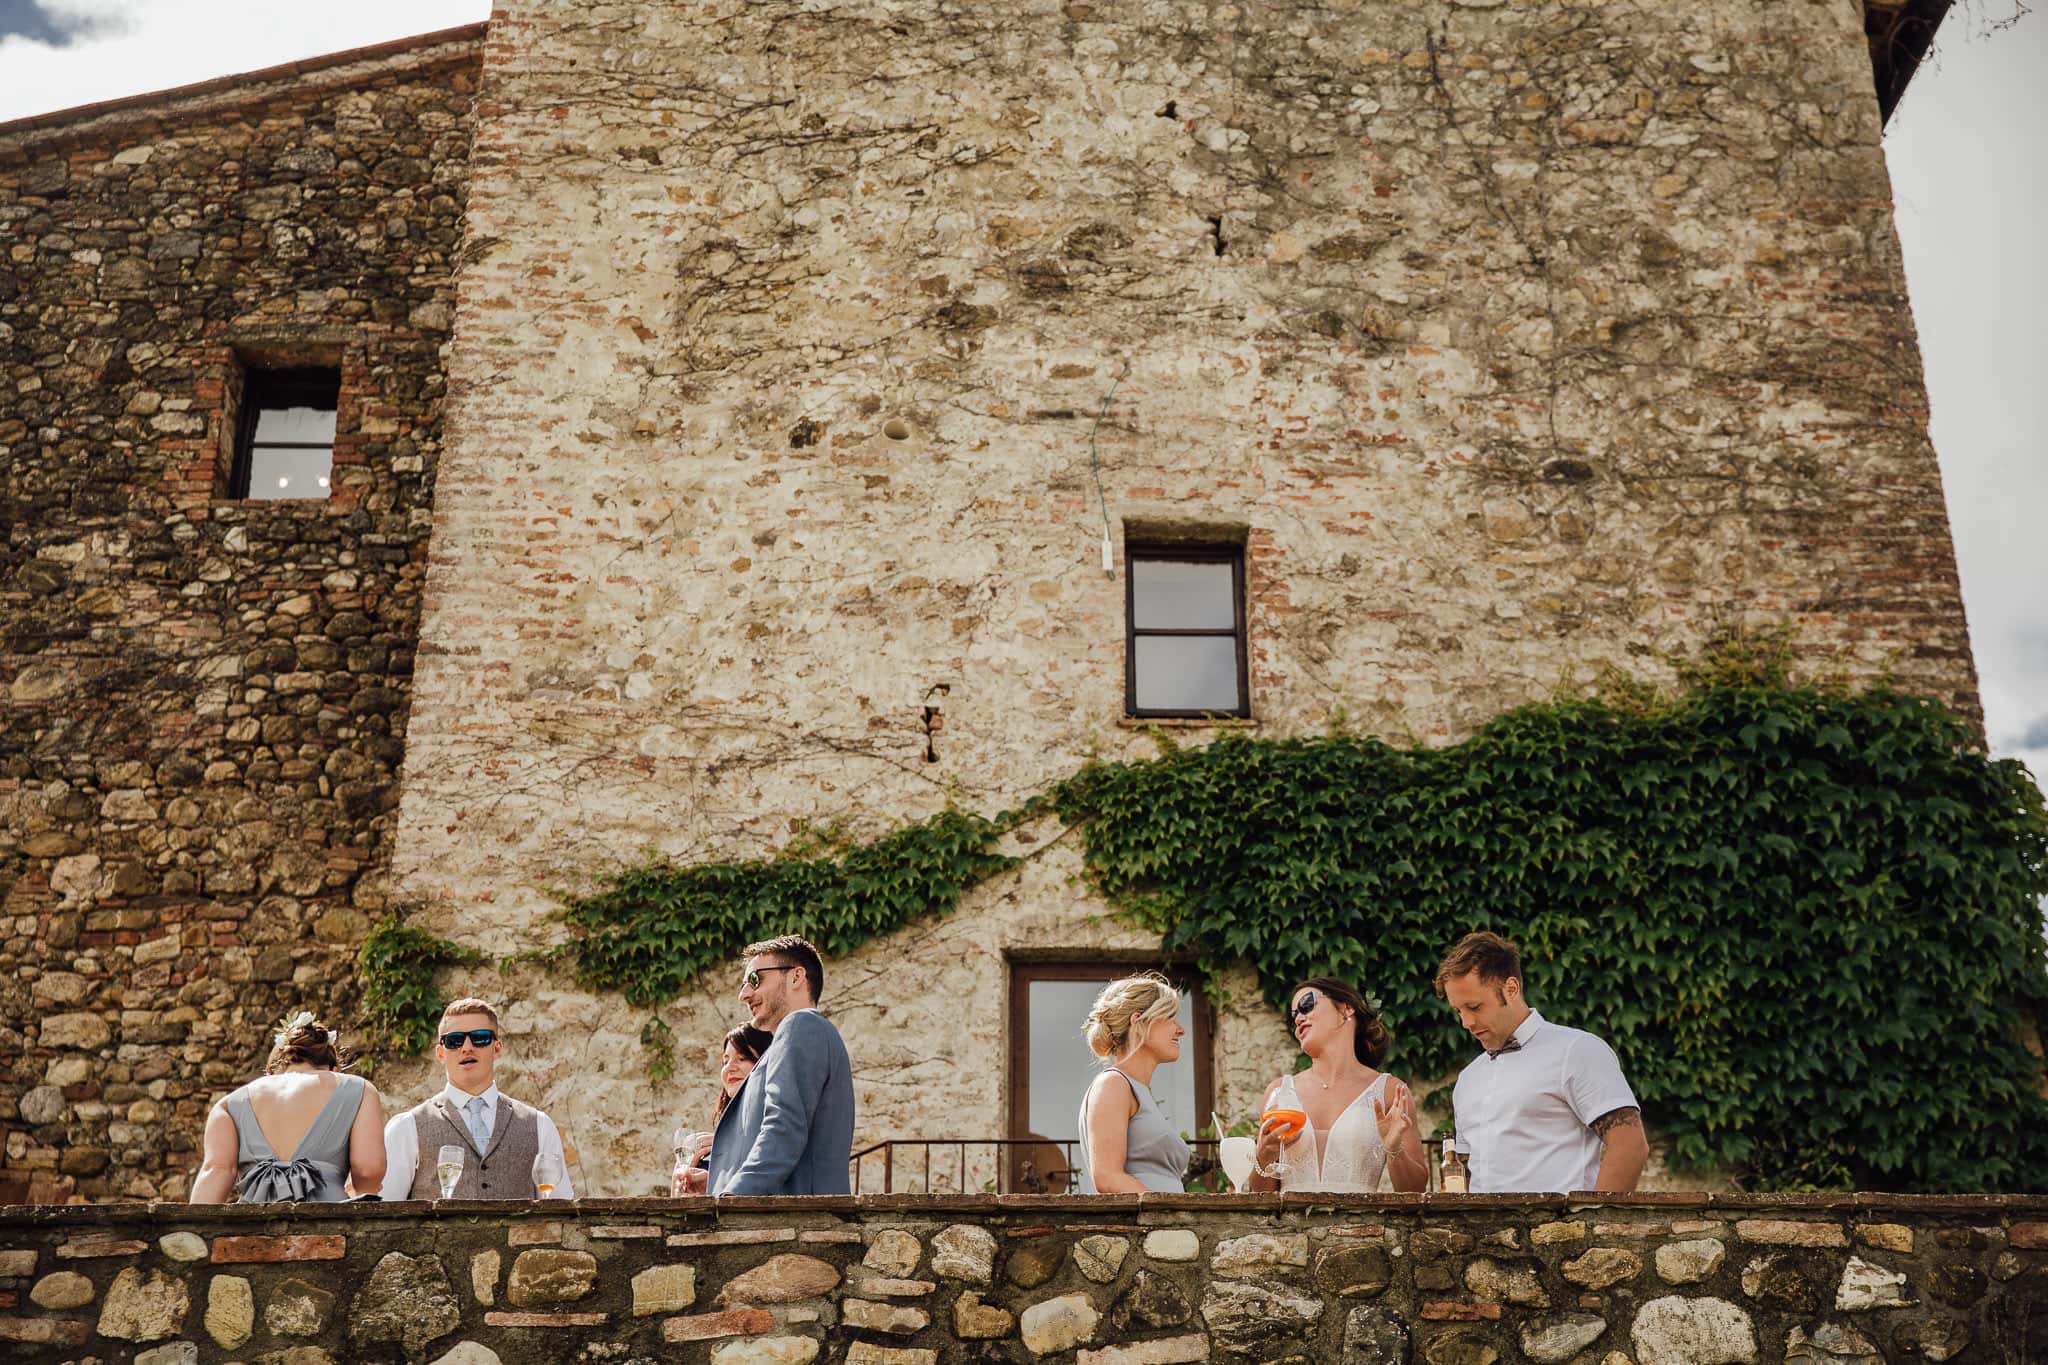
(1117, 1281)
(203, 701)
(1513, 340)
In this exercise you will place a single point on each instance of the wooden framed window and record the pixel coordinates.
(284, 434)
(1051, 1067)
(1184, 649)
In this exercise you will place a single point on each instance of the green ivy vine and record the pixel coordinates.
(1807, 919)
(401, 1001)
(653, 929)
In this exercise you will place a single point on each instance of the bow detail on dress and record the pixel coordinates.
(269, 1180)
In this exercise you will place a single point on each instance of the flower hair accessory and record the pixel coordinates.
(292, 1023)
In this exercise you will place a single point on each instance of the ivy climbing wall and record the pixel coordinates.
(1512, 341)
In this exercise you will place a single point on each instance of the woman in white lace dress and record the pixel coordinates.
(1361, 1121)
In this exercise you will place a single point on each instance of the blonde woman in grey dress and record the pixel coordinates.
(1127, 1145)
(301, 1131)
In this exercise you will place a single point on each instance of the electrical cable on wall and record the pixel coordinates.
(1095, 467)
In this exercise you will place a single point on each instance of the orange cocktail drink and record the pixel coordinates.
(1294, 1120)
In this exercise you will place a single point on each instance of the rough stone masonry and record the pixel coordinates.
(202, 699)
(1509, 338)
(1162, 1280)
(1512, 340)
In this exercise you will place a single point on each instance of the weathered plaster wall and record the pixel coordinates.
(203, 701)
(1464, 1281)
(1516, 339)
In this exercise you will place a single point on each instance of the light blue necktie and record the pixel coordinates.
(477, 1131)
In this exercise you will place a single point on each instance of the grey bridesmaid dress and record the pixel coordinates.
(1154, 1155)
(316, 1171)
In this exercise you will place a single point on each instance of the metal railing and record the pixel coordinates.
(1049, 1169)
(1045, 1166)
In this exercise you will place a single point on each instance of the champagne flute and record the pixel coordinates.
(547, 1173)
(685, 1143)
(448, 1166)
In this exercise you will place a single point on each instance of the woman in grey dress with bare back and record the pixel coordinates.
(1126, 1142)
(299, 1132)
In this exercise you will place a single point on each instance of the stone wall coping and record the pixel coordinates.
(148, 112)
(967, 1206)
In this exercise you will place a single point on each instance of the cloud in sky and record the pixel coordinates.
(58, 53)
(2035, 736)
(40, 23)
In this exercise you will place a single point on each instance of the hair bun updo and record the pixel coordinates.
(305, 1041)
(1125, 1011)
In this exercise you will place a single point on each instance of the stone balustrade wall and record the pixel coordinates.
(899, 1280)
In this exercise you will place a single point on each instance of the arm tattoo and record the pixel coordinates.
(1627, 1117)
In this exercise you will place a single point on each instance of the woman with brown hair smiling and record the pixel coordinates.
(1361, 1121)
(736, 1060)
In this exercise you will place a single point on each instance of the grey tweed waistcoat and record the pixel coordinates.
(504, 1170)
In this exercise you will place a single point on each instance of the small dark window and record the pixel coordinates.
(1184, 653)
(284, 447)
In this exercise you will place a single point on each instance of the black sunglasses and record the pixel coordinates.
(1305, 1005)
(752, 980)
(482, 1037)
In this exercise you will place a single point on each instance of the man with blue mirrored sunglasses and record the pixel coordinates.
(500, 1136)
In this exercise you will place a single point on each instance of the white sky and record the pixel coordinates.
(1966, 152)
(1968, 148)
(126, 47)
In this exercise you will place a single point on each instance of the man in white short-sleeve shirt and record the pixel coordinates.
(1545, 1109)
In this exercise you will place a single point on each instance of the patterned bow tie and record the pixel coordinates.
(1511, 1045)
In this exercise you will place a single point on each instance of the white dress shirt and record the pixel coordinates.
(1525, 1116)
(402, 1142)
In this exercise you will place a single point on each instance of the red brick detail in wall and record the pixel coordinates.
(300, 1247)
(206, 700)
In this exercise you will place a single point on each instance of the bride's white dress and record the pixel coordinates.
(1351, 1156)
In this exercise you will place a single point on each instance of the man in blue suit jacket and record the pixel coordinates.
(789, 1127)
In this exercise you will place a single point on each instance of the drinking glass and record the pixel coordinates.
(1233, 1154)
(547, 1173)
(448, 1166)
(686, 1144)
(1285, 1106)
